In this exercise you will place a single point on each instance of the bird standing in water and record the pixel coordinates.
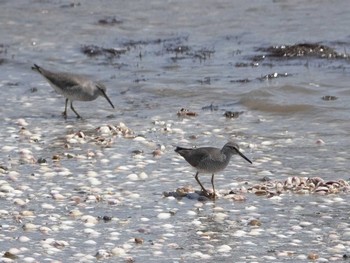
(210, 160)
(73, 87)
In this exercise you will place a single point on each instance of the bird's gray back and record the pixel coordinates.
(206, 159)
(72, 86)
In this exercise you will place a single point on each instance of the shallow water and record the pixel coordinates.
(286, 129)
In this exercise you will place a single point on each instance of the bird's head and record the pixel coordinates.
(102, 92)
(233, 148)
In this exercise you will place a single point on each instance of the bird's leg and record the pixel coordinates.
(65, 110)
(212, 183)
(71, 106)
(203, 189)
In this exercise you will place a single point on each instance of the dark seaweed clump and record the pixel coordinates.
(92, 51)
(270, 76)
(71, 5)
(177, 48)
(274, 75)
(109, 21)
(3, 50)
(329, 97)
(157, 41)
(240, 80)
(203, 54)
(185, 52)
(232, 114)
(211, 107)
(302, 50)
(205, 81)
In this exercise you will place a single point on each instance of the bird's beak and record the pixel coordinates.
(244, 157)
(105, 95)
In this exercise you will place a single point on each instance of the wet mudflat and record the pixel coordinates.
(64, 204)
(109, 187)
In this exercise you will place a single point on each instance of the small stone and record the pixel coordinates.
(102, 254)
(133, 177)
(107, 218)
(9, 255)
(75, 213)
(224, 249)
(104, 130)
(47, 206)
(45, 230)
(69, 155)
(23, 239)
(254, 222)
(41, 160)
(185, 112)
(137, 152)
(89, 219)
(157, 153)
(58, 196)
(238, 197)
(312, 256)
(320, 142)
(129, 260)
(22, 122)
(164, 215)
(29, 260)
(261, 192)
(56, 158)
(19, 202)
(143, 176)
(27, 213)
(305, 224)
(118, 251)
(138, 240)
(29, 226)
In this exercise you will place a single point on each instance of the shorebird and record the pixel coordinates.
(210, 160)
(73, 87)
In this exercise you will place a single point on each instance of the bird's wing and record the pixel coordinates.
(63, 80)
(198, 156)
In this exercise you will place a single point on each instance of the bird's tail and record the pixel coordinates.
(37, 68)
